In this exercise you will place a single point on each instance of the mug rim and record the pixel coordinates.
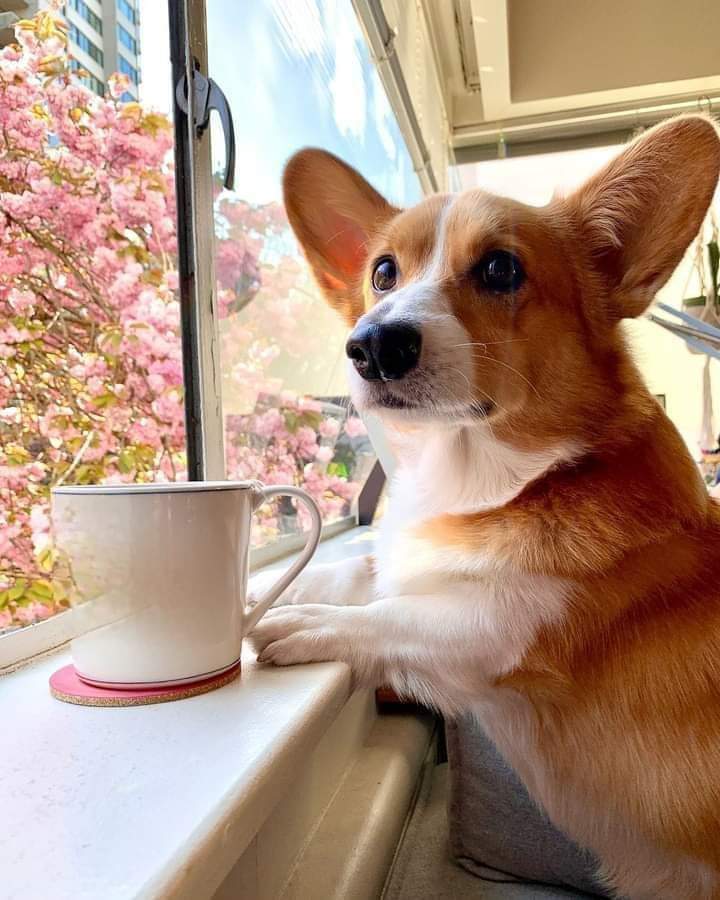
(161, 487)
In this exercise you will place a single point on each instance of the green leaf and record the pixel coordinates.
(292, 421)
(105, 400)
(16, 455)
(40, 590)
(126, 461)
(145, 454)
(695, 301)
(714, 257)
(46, 559)
(339, 469)
(17, 590)
(313, 419)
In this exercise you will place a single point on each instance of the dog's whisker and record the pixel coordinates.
(515, 372)
(489, 343)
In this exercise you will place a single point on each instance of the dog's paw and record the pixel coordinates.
(308, 633)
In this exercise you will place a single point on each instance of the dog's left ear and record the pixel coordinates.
(639, 214)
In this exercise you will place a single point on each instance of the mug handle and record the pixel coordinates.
(261, 495)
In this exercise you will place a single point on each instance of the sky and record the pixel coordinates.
(155, 87)
(296, 73)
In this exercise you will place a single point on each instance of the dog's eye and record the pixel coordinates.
(500, 272)
(384, 274)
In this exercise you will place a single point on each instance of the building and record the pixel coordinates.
(103, 35)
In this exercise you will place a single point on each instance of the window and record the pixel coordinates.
(85, 44)
(91, 385)
(285, 404)
(93, 20)
(127, 39)
(90, 80)
(128, 11)
(91, 382)
(128, 70)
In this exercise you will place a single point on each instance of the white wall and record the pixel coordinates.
(669, 368)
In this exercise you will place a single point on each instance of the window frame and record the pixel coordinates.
(204, 433)
(198, 302)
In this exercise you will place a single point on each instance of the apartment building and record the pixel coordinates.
(104, 36)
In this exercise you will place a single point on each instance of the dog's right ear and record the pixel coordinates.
(334, 212)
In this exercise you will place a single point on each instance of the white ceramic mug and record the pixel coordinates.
(161, 575)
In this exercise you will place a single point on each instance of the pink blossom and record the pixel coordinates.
(324, 454)
(354, 427)
(307, 445)
(34, 612)
(329, 428)
(39, 519)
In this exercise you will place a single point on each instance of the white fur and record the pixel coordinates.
(444, 649)
(447, 623)
(455, 470)
(345, 583)
(443, 378)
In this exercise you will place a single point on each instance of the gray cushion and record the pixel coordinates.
(496, 830)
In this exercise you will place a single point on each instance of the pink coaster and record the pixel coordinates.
(66, 685)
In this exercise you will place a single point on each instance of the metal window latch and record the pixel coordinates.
(208, 96)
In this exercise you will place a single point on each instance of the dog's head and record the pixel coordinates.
(473, 308)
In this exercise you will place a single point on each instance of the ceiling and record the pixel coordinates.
(525, 76)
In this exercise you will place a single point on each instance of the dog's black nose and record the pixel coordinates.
(384, 352)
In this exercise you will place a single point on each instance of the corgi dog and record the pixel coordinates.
(550, 558)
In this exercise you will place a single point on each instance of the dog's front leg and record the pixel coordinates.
(434, 648)
(348, 582)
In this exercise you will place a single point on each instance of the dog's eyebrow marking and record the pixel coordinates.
(432, 270)
(421, 293)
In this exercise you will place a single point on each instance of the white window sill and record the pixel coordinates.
(162, 801)
(121, 803)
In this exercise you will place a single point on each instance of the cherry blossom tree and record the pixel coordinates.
(90, 356)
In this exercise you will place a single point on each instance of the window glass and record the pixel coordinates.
(87, 14)
(91, 373)
(283, 368)
(127, 39)
(127, 10)
(85, 44)
(128, 70)
(90, 80)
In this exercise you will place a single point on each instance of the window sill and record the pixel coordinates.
(170, 800)
(121, 803)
